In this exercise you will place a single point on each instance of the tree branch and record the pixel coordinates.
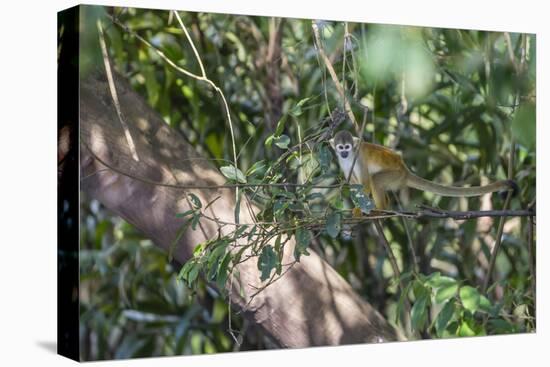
(311, 305)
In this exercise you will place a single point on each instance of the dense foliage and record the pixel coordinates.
(456, 103)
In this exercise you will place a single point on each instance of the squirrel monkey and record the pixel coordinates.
(380, 169)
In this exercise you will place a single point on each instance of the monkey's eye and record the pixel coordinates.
(347, 146)
(339, 147)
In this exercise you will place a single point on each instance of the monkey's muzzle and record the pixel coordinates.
(344, 154)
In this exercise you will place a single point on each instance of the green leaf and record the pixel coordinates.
(401, 302)
(267, 261)
(337, 202)
(240, 230)
(233, 173)
(278, 242)
(334, 224)
(466, 330)
(297, 110)
(195, 201)
(214, 258)
(453, 328)
(524, 125)
(193, 274)
(470, 298)
(444, 316)
(269, 141)
(446, 292)
(282, 141)
(303, 239)
(189, 272)
(223, 270)
(501, 326)
(360, 199)
(469, 327)
(198, 249)
(419, 289)
(419, 311)
(485, 305)
(257, 169)
(436, 280)
(185, 213)
(281, 125)
(279, 208)
(182, 275)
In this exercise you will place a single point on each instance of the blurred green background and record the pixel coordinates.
(452, 101)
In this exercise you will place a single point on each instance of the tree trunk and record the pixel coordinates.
(311, 305)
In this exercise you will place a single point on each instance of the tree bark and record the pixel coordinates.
(312, 305)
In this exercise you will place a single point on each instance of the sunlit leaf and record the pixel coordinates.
(233, 173)
(466, 329)
(297, 110)
(436, 280)
(446, 292)
(470, 298)
(195, 200)
(360, 199)
(258, 168)
(281, 125)
(282, 141)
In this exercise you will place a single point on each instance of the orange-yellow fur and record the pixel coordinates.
(380, 169)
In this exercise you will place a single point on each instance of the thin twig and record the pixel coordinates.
(202, 77)
(200, 187)
(425, 212)
(332, 73)
(510, 49)
(396, 272)
(500, 229)
(272, 280)
(229, 312)
(412, 250)
(112, 89)
(358, 150)
(391, 256)
(218, 90)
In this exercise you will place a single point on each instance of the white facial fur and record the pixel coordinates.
(343, 150)
(345, 166)
(344, 145)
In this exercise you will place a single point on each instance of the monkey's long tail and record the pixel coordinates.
(419, 183)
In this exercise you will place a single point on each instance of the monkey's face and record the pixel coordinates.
(342, 143)
(343, 149)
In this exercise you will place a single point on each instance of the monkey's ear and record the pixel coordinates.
(356, 141)
(331, 142)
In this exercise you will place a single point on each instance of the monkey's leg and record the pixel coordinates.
(384, 181)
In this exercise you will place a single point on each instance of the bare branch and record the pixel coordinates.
(333, 75)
